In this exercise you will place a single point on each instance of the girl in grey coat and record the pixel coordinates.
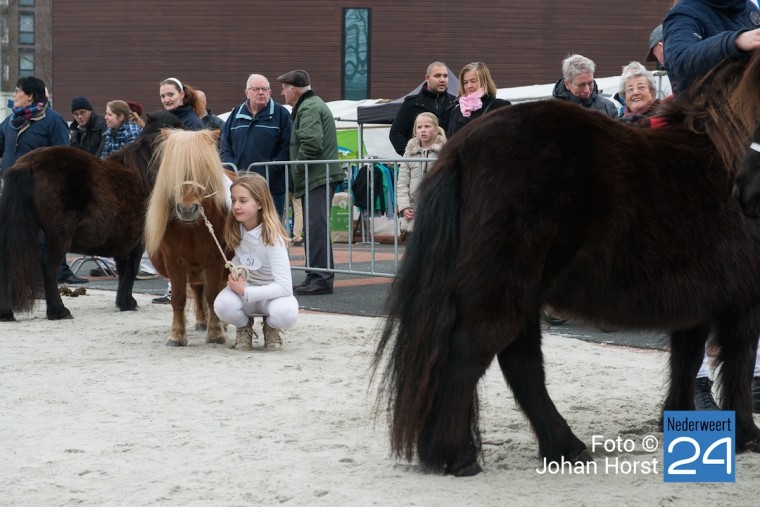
(427, 142)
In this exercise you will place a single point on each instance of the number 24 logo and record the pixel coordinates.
(706, 459)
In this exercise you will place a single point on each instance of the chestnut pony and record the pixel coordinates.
(191, 187)
(549, 203)
(81, 204)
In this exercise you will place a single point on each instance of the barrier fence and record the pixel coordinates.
(366, 222)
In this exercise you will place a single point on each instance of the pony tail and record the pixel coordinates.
(19, 249)
(422, 312)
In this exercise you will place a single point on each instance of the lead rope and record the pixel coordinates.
(237, 272)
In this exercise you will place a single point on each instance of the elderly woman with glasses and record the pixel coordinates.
(639, 90)
(578, 86)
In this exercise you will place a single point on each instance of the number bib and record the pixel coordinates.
(250, 262)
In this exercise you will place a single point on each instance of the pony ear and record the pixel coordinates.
(213, 134)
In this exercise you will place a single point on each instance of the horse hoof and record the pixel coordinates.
(7, 317)
(221, 340)
(60, 315)
(467, 470)
(583, 457)
(173, 342)
(200, 327)
(752, 446)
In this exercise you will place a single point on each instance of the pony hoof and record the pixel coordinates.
(467, 470)
(7, 317)
(61, 315)
(221, 340)
(752, 446)
(200, 327)
(173, 342)
(583, 457)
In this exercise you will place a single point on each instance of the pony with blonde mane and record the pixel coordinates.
(190, 190)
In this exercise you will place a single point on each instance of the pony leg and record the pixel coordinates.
(522, 365)
(687, 349)
(201, 308)
(215, 332)
(737, 338)
(449, 435)
(178, 335)
(51, 263)
(127, 268)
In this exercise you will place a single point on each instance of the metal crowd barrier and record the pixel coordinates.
(366, 219)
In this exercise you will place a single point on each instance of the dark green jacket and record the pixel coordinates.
(313, 137)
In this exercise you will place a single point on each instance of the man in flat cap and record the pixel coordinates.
(313, 137)
(655, 46)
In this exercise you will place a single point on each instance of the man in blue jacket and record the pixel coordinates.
(258, 130)
(701, 33)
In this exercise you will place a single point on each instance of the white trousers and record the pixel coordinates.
(281, 313)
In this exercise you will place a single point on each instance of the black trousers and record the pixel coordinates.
(319, 252)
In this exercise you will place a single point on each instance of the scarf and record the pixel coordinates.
(470, 103)
(22, 115)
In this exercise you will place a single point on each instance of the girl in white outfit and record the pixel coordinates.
(255, 232)
(427, 142)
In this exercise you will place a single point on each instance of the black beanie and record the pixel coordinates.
(80, 103)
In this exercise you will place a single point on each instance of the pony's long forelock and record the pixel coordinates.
(184, 157)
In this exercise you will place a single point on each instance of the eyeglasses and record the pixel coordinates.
(589, 84)
(258, 89)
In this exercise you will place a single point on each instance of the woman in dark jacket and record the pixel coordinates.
(182, 101)
(33, 123)
(477, 96)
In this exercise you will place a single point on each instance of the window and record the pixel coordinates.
(26, 3)
(25, 62)
(25, 28)
(355, 54)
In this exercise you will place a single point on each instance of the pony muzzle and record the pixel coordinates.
(187, 214)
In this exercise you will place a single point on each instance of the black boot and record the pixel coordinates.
(703, 397)
(756, 395)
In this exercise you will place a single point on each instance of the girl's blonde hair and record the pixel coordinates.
(271, 225)
(428, 116)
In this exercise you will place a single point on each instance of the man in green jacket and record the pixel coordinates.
(313, 137)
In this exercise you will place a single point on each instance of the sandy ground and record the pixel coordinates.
(98, 411)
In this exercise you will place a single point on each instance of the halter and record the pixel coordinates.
(755, 147)
(237, 272)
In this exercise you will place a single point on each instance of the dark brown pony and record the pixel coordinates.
(190, 185)
(548, 203)
(81, 204)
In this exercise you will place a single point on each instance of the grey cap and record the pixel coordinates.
(654, 38)
(297, 78)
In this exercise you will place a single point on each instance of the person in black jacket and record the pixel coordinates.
(87, 129)
(433, 98)
(477, 96)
